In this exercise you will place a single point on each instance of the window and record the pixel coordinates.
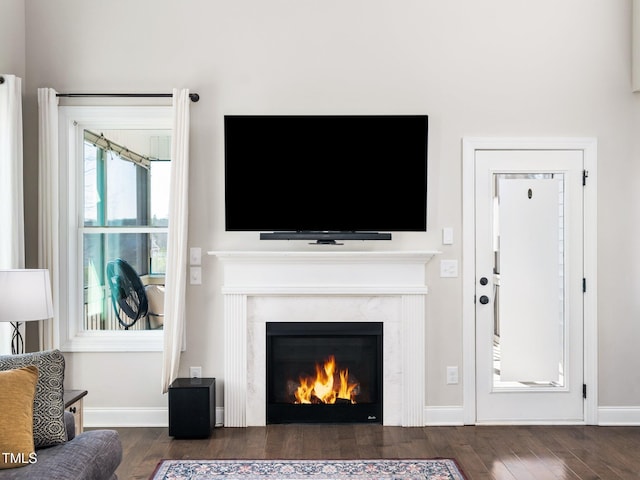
(116, 162)
(126, 214)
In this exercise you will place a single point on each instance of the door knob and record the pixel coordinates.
(484, 281)
(484, 299)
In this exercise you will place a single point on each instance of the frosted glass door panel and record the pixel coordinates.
(529, 271)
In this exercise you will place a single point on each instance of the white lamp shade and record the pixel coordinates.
(25, 295)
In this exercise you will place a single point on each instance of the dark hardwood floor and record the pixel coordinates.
(488, 452)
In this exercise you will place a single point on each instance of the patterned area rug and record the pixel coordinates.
(436, 469)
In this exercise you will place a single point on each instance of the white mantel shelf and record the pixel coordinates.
(261, 286)
(324, 273)
(316, 256)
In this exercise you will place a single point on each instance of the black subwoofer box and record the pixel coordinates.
(192, 407)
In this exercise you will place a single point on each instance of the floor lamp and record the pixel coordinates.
(25, 295)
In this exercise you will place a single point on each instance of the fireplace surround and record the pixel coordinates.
(381, 286)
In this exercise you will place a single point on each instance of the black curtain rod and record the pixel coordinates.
(193, 96)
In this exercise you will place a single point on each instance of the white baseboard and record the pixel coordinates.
(133, 417)
(444, 416)
(219, 416)
(622, 416)
(433, 416)
(95, 417)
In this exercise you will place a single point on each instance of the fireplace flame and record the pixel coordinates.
(327, 386)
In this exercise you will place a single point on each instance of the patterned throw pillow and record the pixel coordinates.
(48, 405)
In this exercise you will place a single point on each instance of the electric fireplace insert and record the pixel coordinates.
(324, 372)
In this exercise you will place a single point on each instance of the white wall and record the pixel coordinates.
(12, 37)
(490, 68)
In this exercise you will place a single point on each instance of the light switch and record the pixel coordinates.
(447, 236)
(195, 275)
(195, 256)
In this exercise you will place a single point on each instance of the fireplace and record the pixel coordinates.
(324, 372)
(319, 286)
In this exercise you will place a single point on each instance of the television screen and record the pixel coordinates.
(326, 173)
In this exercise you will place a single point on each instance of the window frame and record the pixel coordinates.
(72, 121)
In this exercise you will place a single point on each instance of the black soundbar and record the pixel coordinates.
(323, 237)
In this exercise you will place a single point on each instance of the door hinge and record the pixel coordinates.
(585, 175)
(584, 390)
(584, 285)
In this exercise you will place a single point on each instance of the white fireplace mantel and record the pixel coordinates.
(387, 286)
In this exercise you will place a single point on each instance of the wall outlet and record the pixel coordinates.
(195, 372)
(452, 375)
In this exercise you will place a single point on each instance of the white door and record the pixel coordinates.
(529, 286)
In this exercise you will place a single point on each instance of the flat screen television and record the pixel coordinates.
(326, 177)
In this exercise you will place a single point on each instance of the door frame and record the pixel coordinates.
(589, 146)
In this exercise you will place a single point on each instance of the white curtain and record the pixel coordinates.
(176, 274)
(11, 189)
(48, 204)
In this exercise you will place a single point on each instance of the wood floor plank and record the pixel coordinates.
(503, 446)
(588, 449)
(483, 452)
(464, 449)
(480, 441)
(564, 464)
(537, 459)
(284, 442)
(615, 441)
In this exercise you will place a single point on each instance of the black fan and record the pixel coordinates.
(127, 293)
